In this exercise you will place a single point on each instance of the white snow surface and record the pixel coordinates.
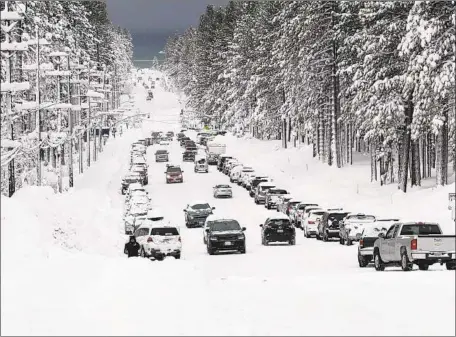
(64, 271)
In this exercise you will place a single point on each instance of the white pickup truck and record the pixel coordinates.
(417, 243)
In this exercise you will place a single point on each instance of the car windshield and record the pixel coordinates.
(293, 203)
(201, 206)
(201, 161)
(264, 188)
(304, 206)
(223, 186)
(374, 231)
(336, 216)
(361, 217)
(173, 170)
(161, 152)
(165, 231)
(224, 225)
(424, 229)
(319, 213)
(132, 179)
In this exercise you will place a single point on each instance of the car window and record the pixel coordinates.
(142, 232)
(279, 222)
(422, 229)
(164, 231)
(200, 206)
(224, 225)
(390, 232)
(173, 169)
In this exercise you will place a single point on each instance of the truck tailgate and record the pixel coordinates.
(436, 243)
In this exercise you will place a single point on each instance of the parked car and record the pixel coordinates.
(254, 183)
(161, 155)
(164, 142)
(309, 223)
(282, 202)
(367, 239)
(287, 207)
(420, 243)
(329, 224)
(174, 174)
(221, 161)
(278, 228)
(297, 210)
(201, 164)
(223, 234)
(158, 240)
(196, 213)
(261, 190)
(188, 156)
(129, 179)
(238, 176)
(142, 170)
(301, 216)
(272, 196)
(222, 190)
(353, 225)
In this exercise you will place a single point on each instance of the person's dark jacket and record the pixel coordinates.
(132, 247)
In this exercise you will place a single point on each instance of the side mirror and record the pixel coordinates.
(213, 207)
(261, 225)
(243, 228)
(381, 235)
(185, 210)
(207, 230)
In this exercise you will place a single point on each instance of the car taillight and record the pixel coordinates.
(414, 244)
(361, 243)
(311, 222)
(149, 239)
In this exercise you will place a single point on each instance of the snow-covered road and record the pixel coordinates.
(313, 288)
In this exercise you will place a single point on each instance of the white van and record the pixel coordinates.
(201, 164)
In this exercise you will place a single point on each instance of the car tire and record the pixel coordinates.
(177, 256)
(317, 236)
(450, 265)
(362, 261)
(406, 265)
(348, 242)
(378, 262)
(243, 250)
(256, 201)
(204, 240)
(341, 241)
(325, 237)
(423, 266)
(210, 251)
(293, 242)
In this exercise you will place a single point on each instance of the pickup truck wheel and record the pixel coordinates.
(406, 265)
(348, 242)
(450, 265)
(362, 261)
(423, 266)
(378, 263)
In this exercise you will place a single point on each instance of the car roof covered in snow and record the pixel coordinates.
(266, 183)
(278, 216)
(225, 155)
(136, 186)
(222, 186)
(197, 202)
(159, 223)
(218, 217)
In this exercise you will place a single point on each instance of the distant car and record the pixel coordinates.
(158, 240)
(366, 243)
(161, 155)
(142, 170)
(164, 142)
(222, 191)
(309, 223)
(130, 179)
(261, 190)
(196, 214)
(278, 228)
(174, 174)
(188, 156)
(201, 164)
(223, 234)
(221, 161)
(353, 225)
(272, 196)
(297, 211)
(329, 224)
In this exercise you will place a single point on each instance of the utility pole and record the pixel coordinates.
(70, 123)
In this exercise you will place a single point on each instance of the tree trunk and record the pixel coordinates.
(321, 136)
(406, 146)
(415, 174)
(442, 152)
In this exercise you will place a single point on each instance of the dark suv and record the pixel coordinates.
(255, 183)
(224, 235)
(329, 225)
(278, 229)
(174, 174)
(221, 161)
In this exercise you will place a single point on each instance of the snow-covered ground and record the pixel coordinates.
(313, 288)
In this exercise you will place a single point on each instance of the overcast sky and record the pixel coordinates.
(152, 21)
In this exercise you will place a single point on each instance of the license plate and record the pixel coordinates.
(280, 231)
(437, 254)
(228, 243)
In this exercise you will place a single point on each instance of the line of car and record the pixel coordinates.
(383, 241)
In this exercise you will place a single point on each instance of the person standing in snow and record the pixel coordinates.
(132, 247)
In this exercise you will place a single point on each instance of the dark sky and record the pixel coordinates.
(152, 21)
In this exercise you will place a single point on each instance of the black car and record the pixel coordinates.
(161, 155)
(254, 184)
(180, 135)
(188, 156)
(196, 214)
(130, 179)
(278, 229)
(224, 235)
(329, 225)
(221, 161)
(183, 140)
